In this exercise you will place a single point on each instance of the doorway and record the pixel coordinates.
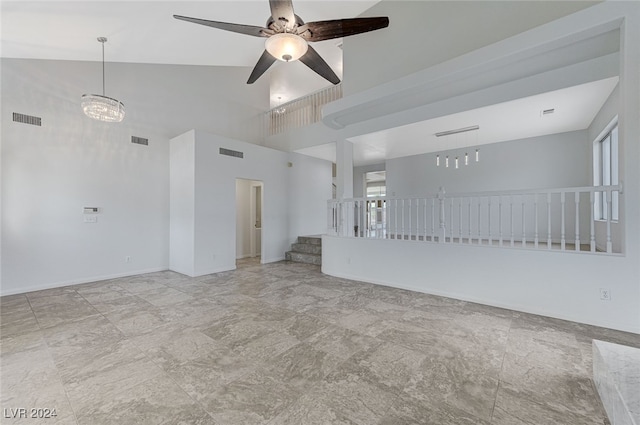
(375, 190)
(249, 201)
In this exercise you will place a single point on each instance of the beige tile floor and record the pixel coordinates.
(283, 344)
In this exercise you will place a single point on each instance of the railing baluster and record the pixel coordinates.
(371, 211)
(433, 218)
(511, 219)
(535, 219)
(609, 214)
(366, 217)
(425, 220)
(460, 220)
(378, 218)
(395, 216)
(548, 220)
(417, 219)
(409, 235)
(300, 112)
(442, 237)
(592, 237)
(562, 235)
(385, 215)
(358, 214)
(489, 220)
(524, 218)
(450, 221)
(577, 202)
(402, 206)
(479, 222)
(352, 217)
(470, 220)
(500, 220)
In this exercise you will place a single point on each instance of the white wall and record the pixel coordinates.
(431, 32)
(555, 284)
(309, 190)
(558, 160)
(288, 192)
(182, 203)
(358, 178)
(50, 173)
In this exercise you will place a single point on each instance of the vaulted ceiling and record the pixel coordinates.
(146, 32)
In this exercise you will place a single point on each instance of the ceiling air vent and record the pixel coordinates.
(139, 140)
(27, 119)
(230, 152)
(547, 112)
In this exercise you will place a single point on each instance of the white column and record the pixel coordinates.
(344, 169)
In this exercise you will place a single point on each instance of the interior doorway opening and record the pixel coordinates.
(249, 207)
(375, 188)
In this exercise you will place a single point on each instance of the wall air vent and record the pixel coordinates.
(230, 152)
(27, 119)
(139, 140)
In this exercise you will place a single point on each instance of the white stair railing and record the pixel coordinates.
(300, 112)
(566, 219)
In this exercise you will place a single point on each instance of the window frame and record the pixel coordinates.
(606, 170)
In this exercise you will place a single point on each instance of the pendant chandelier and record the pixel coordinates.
(101, 107)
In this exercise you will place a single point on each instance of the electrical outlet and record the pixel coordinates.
(127, 259)
(605, 294)
(348, 260)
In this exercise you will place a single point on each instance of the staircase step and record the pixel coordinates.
(307, 248)
(311, 240)
(301, 257)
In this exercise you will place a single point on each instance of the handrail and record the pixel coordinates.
(608, 188)
(575, 218)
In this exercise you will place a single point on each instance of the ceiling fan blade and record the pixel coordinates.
(239, 28)
(282, 12)
(313, 60)
(325, 30)
(265, 61)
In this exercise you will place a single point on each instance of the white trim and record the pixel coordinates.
(607, 129)
(215, 269)
(271, 260)
(72, 282)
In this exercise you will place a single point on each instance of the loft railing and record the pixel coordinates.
(578, 219)
(300, 112)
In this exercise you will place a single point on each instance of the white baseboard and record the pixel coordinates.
(80, 281)
(625, 327)
(271, 260)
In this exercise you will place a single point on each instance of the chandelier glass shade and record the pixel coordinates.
(101, 107)
(286, 47)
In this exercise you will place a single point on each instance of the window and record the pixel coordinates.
(376, 191)
(605, 167)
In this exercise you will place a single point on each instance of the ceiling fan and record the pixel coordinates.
(288, 37)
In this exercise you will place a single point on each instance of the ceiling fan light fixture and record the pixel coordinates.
(286, 47)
